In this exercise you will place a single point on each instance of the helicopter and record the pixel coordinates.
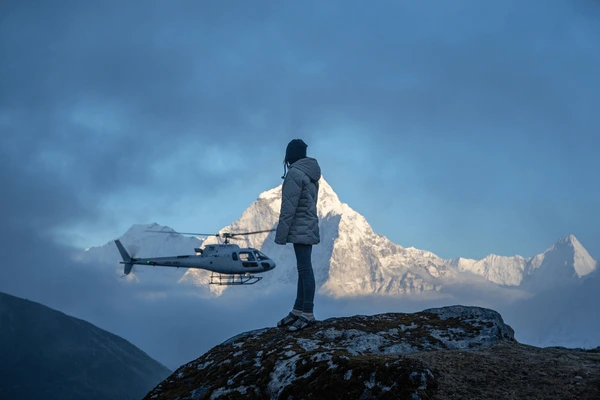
(229, 264)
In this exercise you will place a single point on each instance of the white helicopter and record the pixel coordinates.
(229, 264)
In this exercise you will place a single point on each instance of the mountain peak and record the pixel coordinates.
(138, 230)
(567, 251)
(328, 199)
(569, 240)
(271, 193)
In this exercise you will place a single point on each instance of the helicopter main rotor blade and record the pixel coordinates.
(187, 233)
(224, 234)
(251, 233)
(134, 250)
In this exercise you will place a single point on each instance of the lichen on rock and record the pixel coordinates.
(439, 353)
(355, 357)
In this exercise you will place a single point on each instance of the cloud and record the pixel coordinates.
(460, 127)
(152, 102)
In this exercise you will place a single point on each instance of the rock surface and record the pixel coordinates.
(443, 353)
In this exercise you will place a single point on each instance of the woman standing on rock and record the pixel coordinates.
(299, 224)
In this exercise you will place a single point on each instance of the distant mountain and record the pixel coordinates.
(141, 240)
(352, 260)
(144, 240)
(45, 354)
(566, 261)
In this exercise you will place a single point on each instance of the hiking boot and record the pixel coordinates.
(301, 323)
(288, 319)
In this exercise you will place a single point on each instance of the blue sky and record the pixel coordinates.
(460, 127)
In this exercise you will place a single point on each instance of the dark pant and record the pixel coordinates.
(306, 279)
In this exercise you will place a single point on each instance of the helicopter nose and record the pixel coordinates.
(268, 265)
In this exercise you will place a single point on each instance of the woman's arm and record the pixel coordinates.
(290, 196)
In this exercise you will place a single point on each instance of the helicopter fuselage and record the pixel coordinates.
(219, 258)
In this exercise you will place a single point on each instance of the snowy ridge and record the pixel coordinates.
(497, 269)
(565, 260)
(364, 262)
(351, 259)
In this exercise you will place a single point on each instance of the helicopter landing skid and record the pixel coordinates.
(235, 279)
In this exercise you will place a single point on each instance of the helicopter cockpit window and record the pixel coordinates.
(234, 256)
(246, 256)
(260, 256)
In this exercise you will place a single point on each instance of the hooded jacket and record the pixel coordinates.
(298, 220)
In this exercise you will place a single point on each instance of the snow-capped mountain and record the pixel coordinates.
(565, 261)
(350, 260)
(141, 241)
(567, 251)
(353, 260)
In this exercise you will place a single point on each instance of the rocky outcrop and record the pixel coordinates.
(358, 357)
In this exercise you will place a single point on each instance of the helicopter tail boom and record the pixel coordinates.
(127, 260)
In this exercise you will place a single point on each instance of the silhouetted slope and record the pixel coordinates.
(45, 354)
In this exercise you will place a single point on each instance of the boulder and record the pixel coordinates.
(443, 353)
(355, 357)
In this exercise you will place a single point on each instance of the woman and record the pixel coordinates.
(299, 224)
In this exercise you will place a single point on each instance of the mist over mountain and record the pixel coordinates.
(46, 354)
(566, 316)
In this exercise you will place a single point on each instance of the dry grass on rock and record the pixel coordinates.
(514, 371)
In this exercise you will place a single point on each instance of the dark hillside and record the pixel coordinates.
(46, 354)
